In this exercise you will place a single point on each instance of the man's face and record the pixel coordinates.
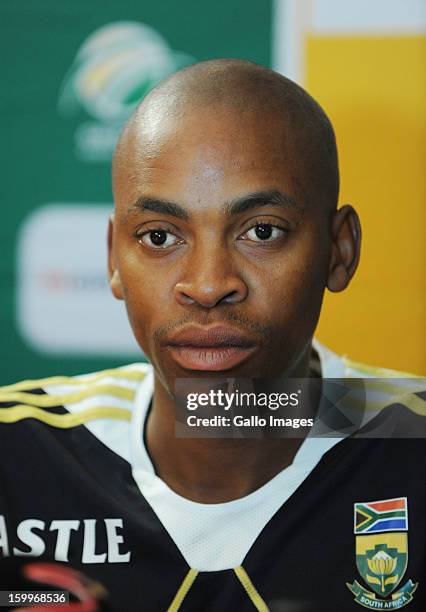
(220, 256)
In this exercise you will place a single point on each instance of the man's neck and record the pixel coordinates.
(212, 470)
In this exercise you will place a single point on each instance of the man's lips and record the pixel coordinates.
(213, 359)
(213, 349)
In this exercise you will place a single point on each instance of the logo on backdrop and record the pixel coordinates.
(113, 70)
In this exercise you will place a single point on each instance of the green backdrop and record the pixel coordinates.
(56, 138)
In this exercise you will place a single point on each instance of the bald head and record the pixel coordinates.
(255, 96)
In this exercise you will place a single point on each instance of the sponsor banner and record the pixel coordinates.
(65, 305)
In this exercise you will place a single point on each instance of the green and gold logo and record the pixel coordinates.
(382, 555)
(115, 67)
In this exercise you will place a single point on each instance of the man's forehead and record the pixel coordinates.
(207, 177)
(206, 145)
(218, 170)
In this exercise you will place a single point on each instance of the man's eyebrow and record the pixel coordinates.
(252, 200)
(163, 207)
(260, 198)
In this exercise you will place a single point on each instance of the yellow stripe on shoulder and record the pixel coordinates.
(50, 399)
(413, 402)
(63, 421)
(125, 374)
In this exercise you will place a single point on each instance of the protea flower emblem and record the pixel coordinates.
(382, 565)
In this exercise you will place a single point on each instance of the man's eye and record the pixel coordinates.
(264, 232)
(158, 239)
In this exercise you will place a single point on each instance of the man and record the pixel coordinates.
(225, 235)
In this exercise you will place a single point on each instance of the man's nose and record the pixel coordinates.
(210, 278)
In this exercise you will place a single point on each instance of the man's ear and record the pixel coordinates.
(113, 274)
(345, 250)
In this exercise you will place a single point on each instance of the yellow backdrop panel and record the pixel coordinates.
(374, 90)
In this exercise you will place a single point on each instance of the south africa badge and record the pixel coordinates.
(381, 545)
